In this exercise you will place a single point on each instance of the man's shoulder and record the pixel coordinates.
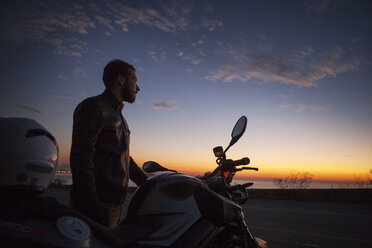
(93, 101)
(91, 104)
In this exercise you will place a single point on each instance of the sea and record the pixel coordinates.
(258, 183)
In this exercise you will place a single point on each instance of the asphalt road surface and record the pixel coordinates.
(310, 224)
(289, 224)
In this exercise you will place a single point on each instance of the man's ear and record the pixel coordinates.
(121, 79)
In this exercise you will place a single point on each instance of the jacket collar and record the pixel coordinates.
(115, 103)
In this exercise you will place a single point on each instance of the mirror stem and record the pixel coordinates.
(227, 148)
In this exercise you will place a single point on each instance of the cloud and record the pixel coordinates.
(317, 108)
(333, 63)
(285, 106)
(304, 52)
(188, 57)
(300, 108)
(83, 95)
(173, 17)
(264, 68)
(78, 72)
(197, 43)
(172, 22)
(64, 97)
(29, 109)
(317, 5)
(158, 56)
(195, 61)
(211, 25)
(47, 22)
(73, 19)
(135, 60)
(67, 47)
(349, 155)
(39, 19)
(139, 102)
(61, 77)
(201, 52)
(285, 95)
(163, 105)
(298, 71)
(107, 23)
(55, 22)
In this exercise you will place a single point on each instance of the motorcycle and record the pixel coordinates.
(169, 210)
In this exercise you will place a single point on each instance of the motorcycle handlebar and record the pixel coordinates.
(231, 164)
(247, 168)
(243, 161)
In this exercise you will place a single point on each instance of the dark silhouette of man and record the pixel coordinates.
(100, 162)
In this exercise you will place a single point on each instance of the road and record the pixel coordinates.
(310, 224)
(300, 224)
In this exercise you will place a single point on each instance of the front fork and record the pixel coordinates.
(249, 240)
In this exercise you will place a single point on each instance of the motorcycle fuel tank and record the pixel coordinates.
(170, 195)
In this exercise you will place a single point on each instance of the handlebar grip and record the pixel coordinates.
(243, 161)
(249, 168)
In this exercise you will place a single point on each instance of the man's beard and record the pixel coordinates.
(128, 94)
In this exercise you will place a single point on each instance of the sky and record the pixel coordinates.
(300, 71)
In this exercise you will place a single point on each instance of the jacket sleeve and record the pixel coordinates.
(137, 175)
(87, 125)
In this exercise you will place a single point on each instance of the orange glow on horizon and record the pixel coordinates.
(264, 172)
(198, 166)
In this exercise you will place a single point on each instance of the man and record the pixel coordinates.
(100, 160)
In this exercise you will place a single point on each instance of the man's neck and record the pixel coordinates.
(117, 94)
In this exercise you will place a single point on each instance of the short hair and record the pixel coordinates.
(113, 69)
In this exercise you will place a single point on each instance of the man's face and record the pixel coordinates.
(130, 88)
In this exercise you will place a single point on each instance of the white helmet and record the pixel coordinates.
(28, 155)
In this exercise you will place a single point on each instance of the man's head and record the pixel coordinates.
(120, 77)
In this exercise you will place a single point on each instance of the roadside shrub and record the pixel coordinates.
(363, 181)
(295, 180)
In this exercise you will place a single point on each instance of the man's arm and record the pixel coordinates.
(86, 127)
(137, 175)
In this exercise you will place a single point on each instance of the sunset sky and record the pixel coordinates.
(299, 70)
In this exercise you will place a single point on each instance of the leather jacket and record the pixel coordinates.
(99, 158)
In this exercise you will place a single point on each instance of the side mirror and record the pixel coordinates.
(238, 130)
(151, 166)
